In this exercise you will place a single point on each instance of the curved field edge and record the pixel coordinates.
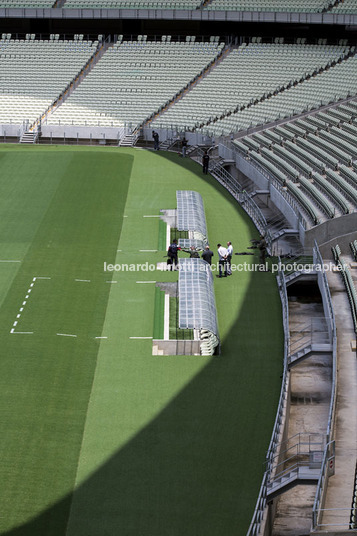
(170, 444)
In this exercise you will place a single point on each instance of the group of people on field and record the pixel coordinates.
(224, 256)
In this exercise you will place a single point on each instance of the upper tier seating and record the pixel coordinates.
(33, 73)
(310, 165)
(329, 86)
(304, 6)
(229, 84)
(133, 80)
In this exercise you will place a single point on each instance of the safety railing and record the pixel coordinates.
(258, 514)
(328, 454)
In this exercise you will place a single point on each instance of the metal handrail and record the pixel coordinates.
(322, 483)
(261, 503)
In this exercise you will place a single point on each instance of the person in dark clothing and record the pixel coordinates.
(172, 254)
(207, 255)
(205, 162)
(184, 146)
(156, 140)
(194, 253)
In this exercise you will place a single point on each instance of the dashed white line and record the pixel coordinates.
(148, 250)
(83, 280)
(100, 337)
(140, 337)
(10, 261)
(144, 282)
(29, 290)
(111, 281)
(151, 216)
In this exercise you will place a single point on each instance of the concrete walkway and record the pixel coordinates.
(341, 485)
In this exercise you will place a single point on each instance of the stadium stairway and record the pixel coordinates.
(129, 140)
(297, 475)
(29, 137)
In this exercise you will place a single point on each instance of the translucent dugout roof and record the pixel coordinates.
(197, 307)
(190, 212)
(187, 243)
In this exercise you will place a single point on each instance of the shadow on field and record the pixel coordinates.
(196, 469)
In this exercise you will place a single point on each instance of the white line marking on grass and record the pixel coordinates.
(143, 282)
(83, 280)
(125, 216)
(25, 302)
(12, 330)
(22, 332)
(66, 335)
(119, 250)
(10, 261)
(111, 281)
(140, 337)
(167, 317)
(100, 337)
(151, 216)
(148, 250)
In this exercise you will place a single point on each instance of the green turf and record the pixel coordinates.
(175, 332)
(102, 438)
(74, 211)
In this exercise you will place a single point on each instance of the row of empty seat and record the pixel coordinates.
(305, 6)
(229, 85)
(313, 159)
(133, 80)
(270, 5)
(33, 73)
(331, 85)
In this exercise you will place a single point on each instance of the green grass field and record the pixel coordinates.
(99, 437)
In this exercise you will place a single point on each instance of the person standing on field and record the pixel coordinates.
(229, 258)
(205, 163)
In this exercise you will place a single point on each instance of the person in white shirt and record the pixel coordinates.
(229, 257)
(222, 256)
